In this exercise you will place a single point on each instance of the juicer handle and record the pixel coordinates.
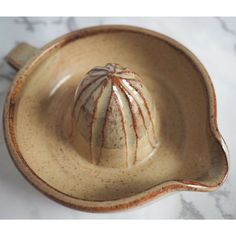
(20, 55)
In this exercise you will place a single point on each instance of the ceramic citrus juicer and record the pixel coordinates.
(109, 117)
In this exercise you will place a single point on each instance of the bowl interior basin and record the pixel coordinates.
(187, 150)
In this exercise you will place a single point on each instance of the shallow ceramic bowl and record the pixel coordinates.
(191, 153)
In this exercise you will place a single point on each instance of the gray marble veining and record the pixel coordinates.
(30, 24)
(225, 27)
(213, 40)
(189, 211)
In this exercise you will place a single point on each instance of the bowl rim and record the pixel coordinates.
(127, 202)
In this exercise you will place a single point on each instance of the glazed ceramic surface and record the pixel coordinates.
(111, 120)
(189, 155)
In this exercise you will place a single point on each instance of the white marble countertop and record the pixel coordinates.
(212, 40)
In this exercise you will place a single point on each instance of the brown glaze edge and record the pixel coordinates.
(170, 186)
(103, 85)
(122, 119)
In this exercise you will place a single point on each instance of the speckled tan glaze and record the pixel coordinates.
(112, 114)
(190, 155)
